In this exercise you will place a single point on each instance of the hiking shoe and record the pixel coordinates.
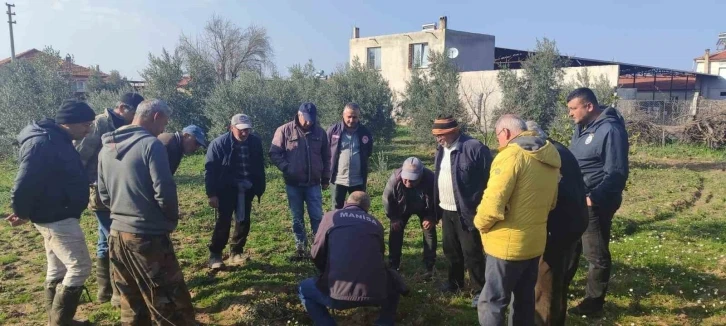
(588, 307)
(428, 275)
(238, 259)
(215, 262)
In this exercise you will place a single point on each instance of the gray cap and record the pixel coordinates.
(241, 121)
(198, 134)
(412, 169)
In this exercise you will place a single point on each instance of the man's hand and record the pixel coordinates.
(214, 202)
(589, 202)
(14, 220)
(396, 225)
(427, 225)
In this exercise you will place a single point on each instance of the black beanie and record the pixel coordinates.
(74, 111)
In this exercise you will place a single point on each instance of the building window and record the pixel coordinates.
(723, 93)
(418, 55)
(374, 58)
(79, 86)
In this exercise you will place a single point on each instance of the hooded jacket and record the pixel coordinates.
(302, 156)
(135, 181)
(601, 149)
(568, 221)
(521, 191)
(90, 146)
(51, 184)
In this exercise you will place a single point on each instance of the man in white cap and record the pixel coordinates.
(409, 191)
(234, 175)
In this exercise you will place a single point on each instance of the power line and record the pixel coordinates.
(10, 24)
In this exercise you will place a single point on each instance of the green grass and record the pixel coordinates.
(669, 252)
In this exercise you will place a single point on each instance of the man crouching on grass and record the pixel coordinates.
(348, 251)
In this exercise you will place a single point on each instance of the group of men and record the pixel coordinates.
(515, 222)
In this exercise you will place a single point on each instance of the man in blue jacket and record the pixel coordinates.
(51, 190)
(462, 172)
(235, 174)
(600, 144)
(351, 145)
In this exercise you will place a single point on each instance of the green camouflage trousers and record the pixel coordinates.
(149, 280)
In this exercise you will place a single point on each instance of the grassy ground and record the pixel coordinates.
(669, 251)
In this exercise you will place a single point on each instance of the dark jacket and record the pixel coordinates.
(568, 221)
(303, 157)
(394, 196)
(348, 251)
(470, 164)
(601, 149)
(135, 182)
(219, 173)
(51, 184)
(366, 148)
(174, 149)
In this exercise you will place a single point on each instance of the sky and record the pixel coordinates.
(120, 35)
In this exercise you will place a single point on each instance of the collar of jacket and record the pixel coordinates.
(353, 206)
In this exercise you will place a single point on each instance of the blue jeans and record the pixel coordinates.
(317, 303)
(104, 229)
(297, 197)
(504, 278)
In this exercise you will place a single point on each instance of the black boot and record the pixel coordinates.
(64, 306)
(49, 289)
(103, 278)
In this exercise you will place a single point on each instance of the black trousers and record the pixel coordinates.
(553, 282)
(395, 243)
(340, 194)
(227, 207)
(595, 244)
(463, 249)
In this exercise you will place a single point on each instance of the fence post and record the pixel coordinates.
(662, 125)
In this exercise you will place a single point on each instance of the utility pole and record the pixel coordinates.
(10, 23)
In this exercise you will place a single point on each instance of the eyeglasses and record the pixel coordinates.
(500, 131)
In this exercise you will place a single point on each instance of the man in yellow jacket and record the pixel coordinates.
(512, 219)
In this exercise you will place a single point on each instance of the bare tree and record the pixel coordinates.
(230, 48)
(477, 99)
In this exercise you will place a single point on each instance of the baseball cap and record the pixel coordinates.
(132, 100)
(241, 121)
(309, 111)
(198, 133)
(412, 168)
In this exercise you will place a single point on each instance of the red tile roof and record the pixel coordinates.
(718, 56)
(662, 83)
(184, 82)
(72, 68)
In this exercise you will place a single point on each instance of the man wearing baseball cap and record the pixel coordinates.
(89, 147)
(182, 143)
(300, 150)
(234, 175)
(409, 191)
(51, 191)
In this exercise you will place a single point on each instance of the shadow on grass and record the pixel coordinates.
(693, 166)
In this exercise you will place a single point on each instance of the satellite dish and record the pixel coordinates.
(452, 53)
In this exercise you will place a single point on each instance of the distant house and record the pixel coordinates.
(79, 75)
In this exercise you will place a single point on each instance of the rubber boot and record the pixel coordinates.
(64, 306)
(103, 278)
(49, 291)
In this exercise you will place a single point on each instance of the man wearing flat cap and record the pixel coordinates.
(89, 147)
(462, 171)
(51, 191)
(234, 175)
(409, 191)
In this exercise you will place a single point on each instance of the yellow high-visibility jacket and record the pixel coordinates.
(522, 189)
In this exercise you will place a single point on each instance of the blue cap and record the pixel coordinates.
(198, 133)
(309, 111)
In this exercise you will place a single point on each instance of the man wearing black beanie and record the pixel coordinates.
(51, 190)
(88, 148)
